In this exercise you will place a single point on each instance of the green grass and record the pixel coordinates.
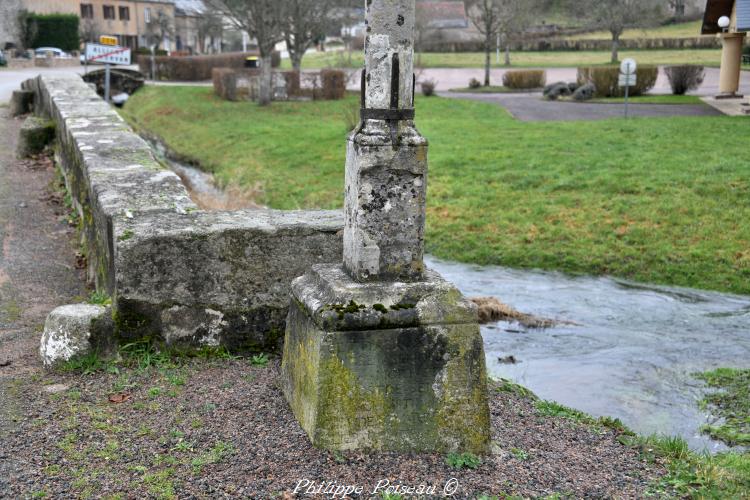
(731, 403)
(652, 99)
(682, 30)
(651, 199)
(706, 57)
(463, 460)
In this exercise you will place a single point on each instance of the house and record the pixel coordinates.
(442, 25)
(729, 19)
(197, 29)
(135, 23)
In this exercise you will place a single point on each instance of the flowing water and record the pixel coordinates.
(633, 355)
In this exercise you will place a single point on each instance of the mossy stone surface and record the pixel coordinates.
(418, 387)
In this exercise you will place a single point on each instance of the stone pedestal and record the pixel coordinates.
(385, 366)
(731, 65)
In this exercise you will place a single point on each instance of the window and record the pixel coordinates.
(124, 13)
(147, 15)
(87, 11)
(109, 12)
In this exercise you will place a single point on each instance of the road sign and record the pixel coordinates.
(628, 67)
(628, 80)
(108, 40)
(107, 54)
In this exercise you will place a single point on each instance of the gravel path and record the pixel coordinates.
(531, 107)
(213, 428)
(221, 428)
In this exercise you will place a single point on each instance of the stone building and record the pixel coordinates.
(135, 23)
(197, 31)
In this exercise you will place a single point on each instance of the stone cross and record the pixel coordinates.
(386, 169)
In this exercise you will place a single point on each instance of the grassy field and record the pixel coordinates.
(655, 200)
(706, 57)
(681, 30)
(653, 99)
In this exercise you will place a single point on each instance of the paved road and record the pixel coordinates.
(458, 78)
(531, 107)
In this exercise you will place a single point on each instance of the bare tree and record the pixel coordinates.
(160, 28)
(305, 21)
(210, 26)
(498, 18)
(616, 16)
(262, 20)
(678, 6)
(90, 30)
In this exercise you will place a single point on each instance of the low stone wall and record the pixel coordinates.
(43, 62)
(175, 273)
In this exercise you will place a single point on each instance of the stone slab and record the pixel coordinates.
(378, 366)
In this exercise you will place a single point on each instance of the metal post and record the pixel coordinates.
(498, 49)
(627, 92)
(106, 83)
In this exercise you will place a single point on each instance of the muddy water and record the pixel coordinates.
(634, 353)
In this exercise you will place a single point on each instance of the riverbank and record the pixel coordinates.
(642, 199)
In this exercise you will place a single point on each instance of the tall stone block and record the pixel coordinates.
(386, 190)
(404, 375)
(381, 353)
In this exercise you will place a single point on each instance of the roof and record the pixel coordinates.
(716, 9)
(190, 7)
(442, 15)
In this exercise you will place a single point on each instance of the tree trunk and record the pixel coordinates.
(507, 53)
(296, 58)
(266, 81)
(487, 60)
(615, 48)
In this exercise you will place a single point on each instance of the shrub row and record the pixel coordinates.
(195, 68)
(525, 79)
(555, 45)
(606, 80)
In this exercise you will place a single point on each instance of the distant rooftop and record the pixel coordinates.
(442, 15)
(190, 7)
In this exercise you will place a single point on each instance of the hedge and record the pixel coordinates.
(525, 79)
(195, 68)
(52, 30)
(606, 80)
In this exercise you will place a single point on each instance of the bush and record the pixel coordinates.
(606, 80)
(525, 79)
(685, 78)
(293, 83)
(333, 82)
(145, 51)
(50, 30)
(428, 88)
(474, 83)
(195, 68)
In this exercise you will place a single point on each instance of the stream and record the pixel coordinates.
(633, 355)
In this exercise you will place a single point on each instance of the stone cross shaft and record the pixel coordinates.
(386, 170)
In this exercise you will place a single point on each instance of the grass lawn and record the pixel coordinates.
(652, 99)
(706, 57)
(681, 30)
(655, 200)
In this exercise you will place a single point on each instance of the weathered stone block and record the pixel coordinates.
(209, 278)
(21, 102)
(36, 133)
(386, 191)
(72, 331)
(385, 366)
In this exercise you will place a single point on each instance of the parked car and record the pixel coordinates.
(3, 61)
(43, 51)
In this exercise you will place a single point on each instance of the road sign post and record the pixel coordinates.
(110, 54)
(628, 78)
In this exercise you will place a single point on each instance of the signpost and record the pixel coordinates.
(628, 78)
(109, 53)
